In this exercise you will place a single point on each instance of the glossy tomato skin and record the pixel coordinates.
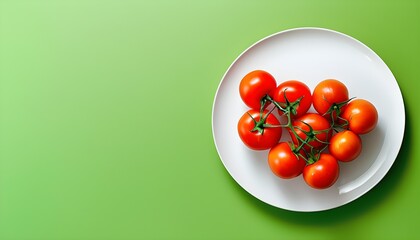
(284, 163)
(328, 92)
(323, 173)
(254, 139)
(254, 86)
(345, 146)
(361, 115)
(318, 123)
(294, 90)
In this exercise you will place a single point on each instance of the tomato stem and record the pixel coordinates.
(335, 111)
(260, 125)
(290, 109)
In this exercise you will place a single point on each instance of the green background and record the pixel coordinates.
(105, 119)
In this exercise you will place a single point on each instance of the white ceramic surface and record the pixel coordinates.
(311, 55)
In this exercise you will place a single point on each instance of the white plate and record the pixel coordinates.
(311, 55)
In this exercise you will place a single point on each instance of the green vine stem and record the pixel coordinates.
(288, 110)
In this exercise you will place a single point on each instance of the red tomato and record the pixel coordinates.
(323, 173)
(321, 130)
(254, 86)
(345, 146)
(284, 162)
(294, 90)
(329, 93)
(254, 139)
(361, 115)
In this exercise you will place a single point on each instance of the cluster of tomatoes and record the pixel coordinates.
(319, 140)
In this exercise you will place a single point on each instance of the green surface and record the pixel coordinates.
(105, 120)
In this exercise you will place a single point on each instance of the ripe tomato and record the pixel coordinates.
(321, 130)
(294, 90)
(327, 93)
(345, 146)
(361, 115)
(254, 86)
(323, 173)
(284, 162)
(254, 139)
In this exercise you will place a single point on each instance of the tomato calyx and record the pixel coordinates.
(289, 107)
(312, 158)
(334, 112)
(261, 124)
(315, 155)
(311, 134)
(258, 125)
(297, 151)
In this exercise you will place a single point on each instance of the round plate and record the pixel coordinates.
(311, 55)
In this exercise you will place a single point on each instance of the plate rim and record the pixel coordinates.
(400, 141)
